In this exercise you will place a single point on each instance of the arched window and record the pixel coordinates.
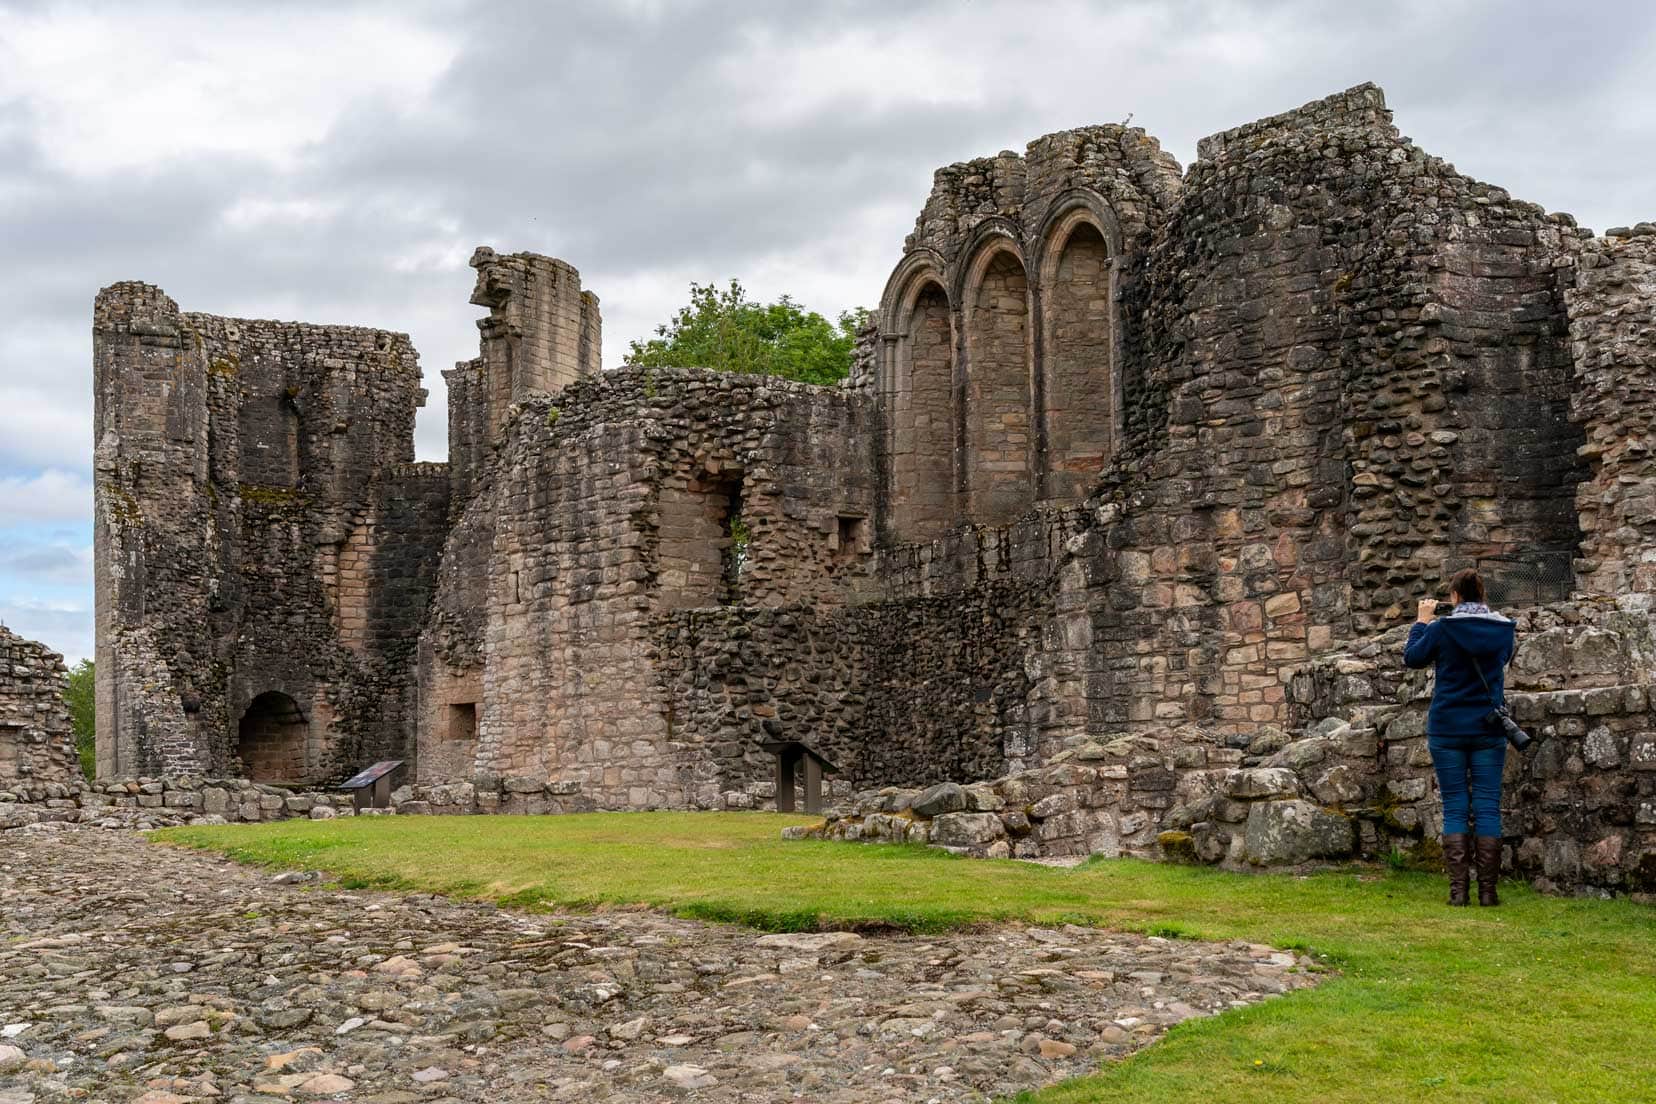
(999, 434)
(1078, 359)
(922, 419)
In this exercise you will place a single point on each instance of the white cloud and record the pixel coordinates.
(65, 627)
(130, 93)
(51, 495)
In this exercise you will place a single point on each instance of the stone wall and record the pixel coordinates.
(608, 505)
(900, 692)
(1351, 778)
(1613, 328)
(264, 544)
(37, 739)
(146, 803)
(542, 333)
(1319, 400)
(999, 329)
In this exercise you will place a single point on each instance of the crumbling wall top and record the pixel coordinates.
(37, 743)
(1362, 106)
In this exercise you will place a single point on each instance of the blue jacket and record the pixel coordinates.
(1459, 701)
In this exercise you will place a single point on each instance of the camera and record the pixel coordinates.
(1443, 609)
(1499, 720)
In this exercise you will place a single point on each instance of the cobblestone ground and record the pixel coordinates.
(136, 972)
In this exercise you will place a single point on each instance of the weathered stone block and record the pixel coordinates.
(966, 829)
(1291, 832)
(947, 797)
(1260, 782)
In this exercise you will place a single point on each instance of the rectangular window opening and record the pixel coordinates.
(851, 539)
(462, 721)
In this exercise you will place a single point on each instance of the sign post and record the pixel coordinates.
(372, 787)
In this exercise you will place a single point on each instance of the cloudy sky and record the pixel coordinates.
(337, 162)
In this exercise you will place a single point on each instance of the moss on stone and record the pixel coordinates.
(123, 507)
(264, 494)
(1178, 847)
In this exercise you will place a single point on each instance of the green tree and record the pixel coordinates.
(81, 694)
(726, 330)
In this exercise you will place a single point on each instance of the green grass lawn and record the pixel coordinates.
(1542, 999)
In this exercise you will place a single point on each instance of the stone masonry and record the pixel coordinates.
(37, 740)
(1129, 452)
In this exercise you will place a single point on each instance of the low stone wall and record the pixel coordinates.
(1171, 794)
(1579, 806)
(1353, 778)
(146, 803)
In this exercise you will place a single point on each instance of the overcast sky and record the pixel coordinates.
(338, 163)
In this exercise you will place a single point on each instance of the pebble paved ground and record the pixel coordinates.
(136, 972)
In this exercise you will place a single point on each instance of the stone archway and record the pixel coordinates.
(272, 739)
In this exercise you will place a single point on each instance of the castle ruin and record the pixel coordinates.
(1130, 451)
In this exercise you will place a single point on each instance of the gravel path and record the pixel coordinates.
(135, 972)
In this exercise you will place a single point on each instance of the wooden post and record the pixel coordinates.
(785, 759)
(813, 783)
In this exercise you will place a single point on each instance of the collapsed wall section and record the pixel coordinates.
(37, 739)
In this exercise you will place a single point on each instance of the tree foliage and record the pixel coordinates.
(724, 329)
(81, 695)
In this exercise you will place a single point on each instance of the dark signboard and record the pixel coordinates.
(371, 775)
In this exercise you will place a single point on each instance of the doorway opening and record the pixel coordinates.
(271, 739)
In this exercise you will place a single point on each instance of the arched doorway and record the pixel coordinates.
(271, 739)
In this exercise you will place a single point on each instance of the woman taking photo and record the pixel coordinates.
(1470, 647)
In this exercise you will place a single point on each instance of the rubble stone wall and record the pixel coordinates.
(144, 803)
(37, 739)
(1613, 328)
(1580, 805)
(610, 504)
(1351, 777)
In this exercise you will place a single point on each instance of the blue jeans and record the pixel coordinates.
(1469, 776)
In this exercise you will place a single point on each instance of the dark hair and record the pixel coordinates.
(1468, 585)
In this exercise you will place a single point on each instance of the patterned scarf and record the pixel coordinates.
(1466, 609)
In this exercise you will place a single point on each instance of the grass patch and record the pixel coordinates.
(1541, 1000)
